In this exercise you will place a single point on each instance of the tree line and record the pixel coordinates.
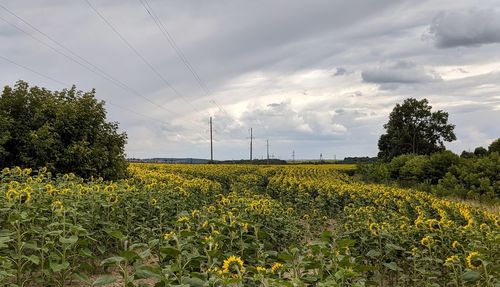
(412, 154)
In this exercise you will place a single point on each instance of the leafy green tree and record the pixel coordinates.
(466, 154)
(494, 146)
(439, 164)
(414, 129)
(64, 131)
(5, 124)
(480, 151)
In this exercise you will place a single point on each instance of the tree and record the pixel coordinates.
(480, 151)
(494, 146)
(414, 129)
(64, 131)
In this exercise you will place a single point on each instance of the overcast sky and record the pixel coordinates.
(311, 76)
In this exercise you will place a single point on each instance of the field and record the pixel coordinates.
(238, 225)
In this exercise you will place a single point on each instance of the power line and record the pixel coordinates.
(174, 46)
(66, 84)
(178, 50)
(100, 72)
(33, 71)
(155, 71)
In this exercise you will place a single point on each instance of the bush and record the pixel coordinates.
(64, 131)
(479, 176)
(443, 173)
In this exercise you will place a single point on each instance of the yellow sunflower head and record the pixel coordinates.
(168, 236)
(455, 245)
(452, 260)
(276, 266)
(374, 229)
(233, 267)
(433, 224)
(474, 260)
(427, 241)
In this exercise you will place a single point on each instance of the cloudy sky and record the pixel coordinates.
(311, 76)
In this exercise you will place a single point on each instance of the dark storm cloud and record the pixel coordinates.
(400, 72)
(466, 28)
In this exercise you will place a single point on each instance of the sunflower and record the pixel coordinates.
(57, 206)
(374, 229)
(10, 194)
(474, 260)
(276, 266)
(452, 260)
(261, 269)
(427, 241)
(169, 235)
(433, 224)
(233, 266)
(25, 197)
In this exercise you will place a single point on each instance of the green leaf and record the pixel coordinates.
(195, 282)
(393, 266)
(104, 280)
(471, 276)
(170, 251)
(144, 272)
(326, 235)
(129, 255)
(86, 252)
(4, 240)
(144, 254)
(112, 260)
(116, 234)
(70, 240)
(391, 246)
(373, 253)
(186, 233)
(82, 277)
(346, 243)
(34, 259)
(58, 267)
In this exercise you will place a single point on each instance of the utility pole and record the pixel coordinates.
(321, 157)
(293, 156)
(267, 147)
(211, 143)
(251, 143)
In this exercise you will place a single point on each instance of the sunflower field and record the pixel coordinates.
(238, 225)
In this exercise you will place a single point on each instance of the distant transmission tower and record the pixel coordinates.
(211, 143)
(267, 147)
(251, 144)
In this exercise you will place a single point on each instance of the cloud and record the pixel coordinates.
(465, 28)
(400, 72)
(340, 71)
(295, 82)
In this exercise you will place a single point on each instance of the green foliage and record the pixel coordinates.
(181, 225)
(444, 173)
(480, 151)
(477, 178)
(64, 131)
(494, 146)
(414, 128)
